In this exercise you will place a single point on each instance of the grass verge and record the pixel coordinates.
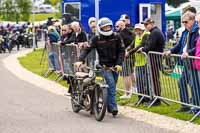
(32, 62)
(43, 16)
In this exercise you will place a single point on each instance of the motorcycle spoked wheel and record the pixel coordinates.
(100, 103)
(74, 100)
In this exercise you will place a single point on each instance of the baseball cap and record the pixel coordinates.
(139, 26)
(147, 20)
(124, 17)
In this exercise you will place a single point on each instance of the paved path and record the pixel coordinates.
(29, 108)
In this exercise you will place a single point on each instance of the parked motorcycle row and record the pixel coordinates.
(17, 37)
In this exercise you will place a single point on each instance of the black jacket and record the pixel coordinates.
(110, 50)
(81, 37)
(127, 36)
(156, 41)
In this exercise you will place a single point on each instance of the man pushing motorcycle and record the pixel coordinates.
(111, 50)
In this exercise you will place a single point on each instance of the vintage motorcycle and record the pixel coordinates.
(89, 92)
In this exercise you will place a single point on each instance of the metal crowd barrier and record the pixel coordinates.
(90, 59)
(54, 63)
(157, 77)
(175, 79)
(70, 54)
(135, 70)
(64, 57)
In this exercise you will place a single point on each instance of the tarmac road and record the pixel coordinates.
(26, 108)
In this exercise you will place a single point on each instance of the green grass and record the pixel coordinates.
(43, 16)
(39, 17)
(32, 63)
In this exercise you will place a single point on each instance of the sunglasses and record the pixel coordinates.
(184, 22)
(63, 30)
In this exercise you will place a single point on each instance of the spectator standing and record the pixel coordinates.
(78, 36)
(186, 47)
(142, 79)
(92, 56)
(156, 42)
(92, 26)
(53, 37)
(170, 34)
(127, 21)
(66, 33)
(128, 65)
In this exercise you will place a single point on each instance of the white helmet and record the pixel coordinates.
(102, 23)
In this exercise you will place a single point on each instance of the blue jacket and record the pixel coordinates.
(53, 36)
(178, 49)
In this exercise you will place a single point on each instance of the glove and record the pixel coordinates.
(118, 68)
(78, 64)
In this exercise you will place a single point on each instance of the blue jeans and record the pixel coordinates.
(52, 60)
(111, 78)
(189, 76)
(182, 85)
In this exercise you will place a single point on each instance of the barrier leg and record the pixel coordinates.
(140, 101)
(162, 100)
(57, 77)
(165, 102)
(151, 104)
(61, 78)
(194, 117)
(49, 71)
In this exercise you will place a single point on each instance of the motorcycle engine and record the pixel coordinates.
(87, 102)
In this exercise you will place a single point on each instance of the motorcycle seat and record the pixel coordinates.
(81, 74)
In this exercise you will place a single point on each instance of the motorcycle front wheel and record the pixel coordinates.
(76, 107)
(100, 103)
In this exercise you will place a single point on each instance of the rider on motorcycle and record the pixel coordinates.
(111, 50)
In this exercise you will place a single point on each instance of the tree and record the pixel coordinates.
(54, 2)
(7, 10)
(47, 2)
(175, 3)
(25, 8)
(16, 10)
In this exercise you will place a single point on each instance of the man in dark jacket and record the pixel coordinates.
(126, 19)
(186, 47)
(128, 64)
(156, 42)
(111, 54)
(92, 26)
